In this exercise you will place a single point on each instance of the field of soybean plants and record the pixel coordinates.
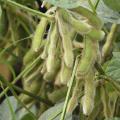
(59, 60)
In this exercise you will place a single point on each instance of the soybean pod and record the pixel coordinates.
(80, 26)
(65, 30)
(93, 19)
(89, 92)
(31, 55)
(31, 83)
(38, 35)
(77, 92)
(88, 58)
(44, 54)
(52, 59)
(65, 73)
(57, 94)
(96, 34)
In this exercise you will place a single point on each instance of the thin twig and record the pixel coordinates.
(32, 11)
(69, 90)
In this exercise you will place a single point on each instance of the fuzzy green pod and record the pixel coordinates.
(53, 54)
(50, 76)
(89, 92)
(77, 90)
(93, 19)
(44, 54)
(57, 95)
(31, 55)
(96, 34)
(81, 27)
(65, 73)
(32, 86)
(65, 31)
(38, 35)
(57, 80)
(53, 60)
(88, 58)
(31, 83)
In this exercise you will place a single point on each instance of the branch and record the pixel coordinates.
(32, 11)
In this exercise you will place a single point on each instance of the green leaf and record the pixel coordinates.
(65, 3)
(5, 113)
(23, 114)
(54, 113)
(107, 14)
(113, 4)
(113, 68)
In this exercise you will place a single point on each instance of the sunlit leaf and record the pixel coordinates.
(104, 12)
(113, 4)
(5, 113)
(65, 3)
(54, 113)
(23, 113)
(107, 14)
(113, 68)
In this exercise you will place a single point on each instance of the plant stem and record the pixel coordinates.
(105, 102)
(96, 4)
(15, 95)
(9, 103)
(92, 6)
(107, 78)
(27, 93)
(15, 4)
(21, 74)
(69, 90)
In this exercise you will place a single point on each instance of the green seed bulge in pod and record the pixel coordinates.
(65, 32)
(57, 80)
(65, 73)
(44, 54)
(88, 58)
(30, 55)
(93, 19)
(39, 33)
(52, 59)
(57, 95)
(32, 86)
(49, 76)
(89, 88)
(80, 26)
(96, 34)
